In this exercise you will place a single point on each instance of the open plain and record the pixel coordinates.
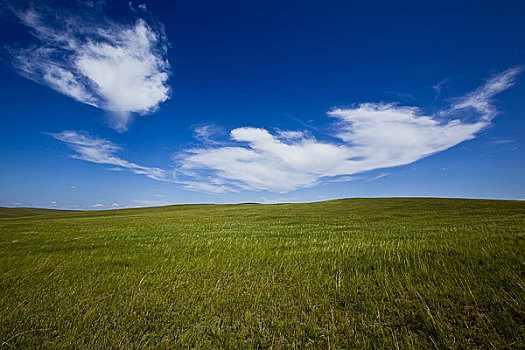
(355, 273)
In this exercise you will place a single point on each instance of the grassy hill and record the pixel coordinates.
(22, 212)
(356, 273)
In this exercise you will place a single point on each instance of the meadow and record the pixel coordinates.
(343, 274)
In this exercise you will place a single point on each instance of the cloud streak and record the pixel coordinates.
(102, 151)
(380, 176)
(481, 99)
(79, 52)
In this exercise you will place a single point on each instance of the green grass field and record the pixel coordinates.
(19, 212)
(345, 274)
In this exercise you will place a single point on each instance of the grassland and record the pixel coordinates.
(20, 212)
(359, 273)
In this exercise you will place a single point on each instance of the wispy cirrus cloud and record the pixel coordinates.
(102, 151)
(481, 99)
(498, 141)
(380, 176)
(205, 133)
(438, 87)
(366, 137)
(80, 52)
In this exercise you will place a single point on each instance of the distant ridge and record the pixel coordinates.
(6, 213)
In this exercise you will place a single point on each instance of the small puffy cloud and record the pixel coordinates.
(121, 68)
(115, 205)
(97, 206)
(53, 202)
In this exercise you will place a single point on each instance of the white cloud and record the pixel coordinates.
(265, 200)
(115, 205)
(205, 133)
(98, 205)
(380, 176)
(101, 151)
(497, 141)
(439, 86)
(369, 136)
(373, 136)
(145, 202)
(269, 162)
(121, 68)
(480, 100)
(206, 185)
(344, 178)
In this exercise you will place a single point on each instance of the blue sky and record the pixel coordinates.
(117, 104)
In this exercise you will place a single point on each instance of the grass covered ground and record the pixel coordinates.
(357, 273)
(19, 212)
